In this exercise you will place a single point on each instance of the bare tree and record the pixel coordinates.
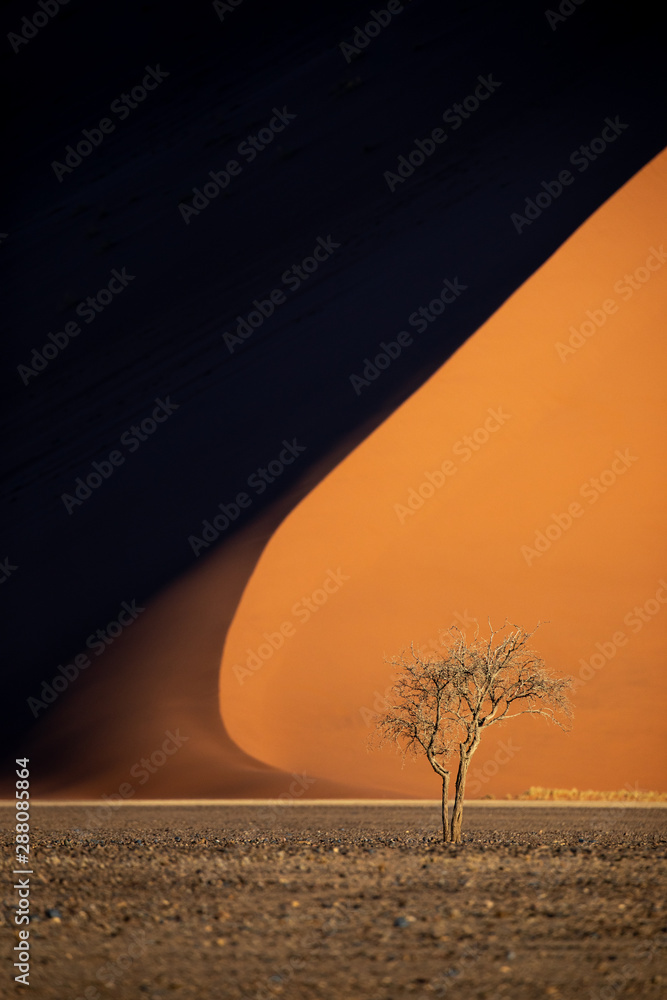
(416, 719)
(440, 704)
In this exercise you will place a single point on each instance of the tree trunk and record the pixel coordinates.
(457, 814)
(445, 795)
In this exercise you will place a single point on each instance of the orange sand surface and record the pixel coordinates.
(354, 573)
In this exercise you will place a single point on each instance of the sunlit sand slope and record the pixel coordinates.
(525, 479)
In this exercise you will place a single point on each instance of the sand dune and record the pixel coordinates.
(160, 677)
(357, 573)
(460, 505)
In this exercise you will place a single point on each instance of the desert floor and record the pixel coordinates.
(338, 901)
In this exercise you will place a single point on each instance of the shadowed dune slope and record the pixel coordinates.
(158, 684)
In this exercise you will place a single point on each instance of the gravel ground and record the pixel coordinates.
(314, 901)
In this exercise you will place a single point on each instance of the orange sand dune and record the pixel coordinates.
(377, 574)
(420, 528)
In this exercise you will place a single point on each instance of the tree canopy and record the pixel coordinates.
(440, 703)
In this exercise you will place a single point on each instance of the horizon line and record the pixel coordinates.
(421, 803)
